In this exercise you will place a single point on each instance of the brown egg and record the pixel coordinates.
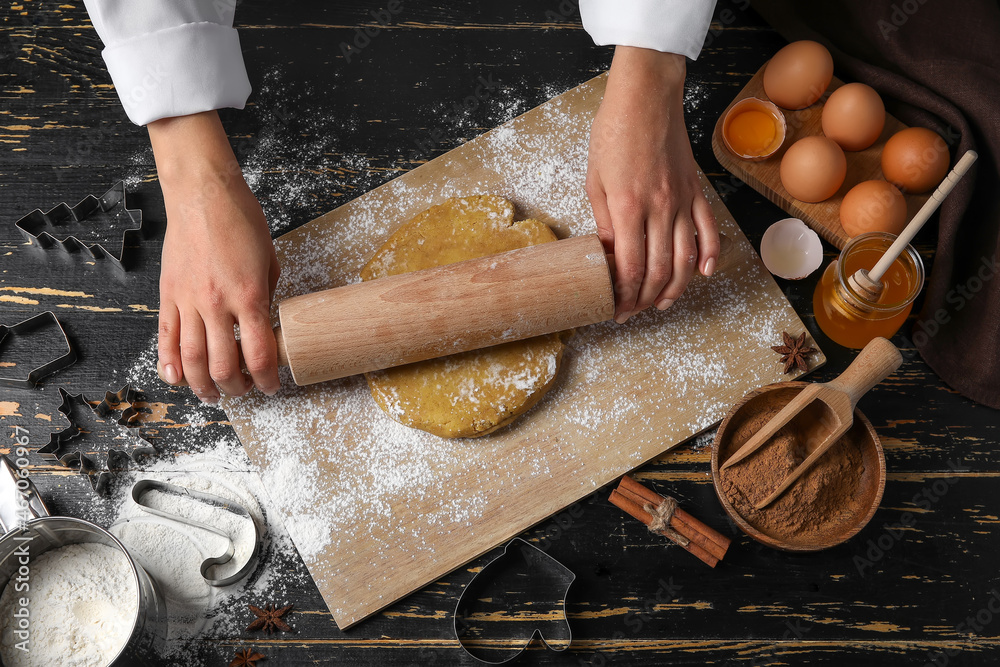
(813, 168)
(798, 74)
(915, 160)
(854, 116)
(873, 206)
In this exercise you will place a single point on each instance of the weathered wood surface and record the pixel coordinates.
(319, 131)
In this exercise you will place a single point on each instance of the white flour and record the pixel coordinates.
(82, 602)
(362, 495)
(383, 469)
(201, 453)
(172, 552)
(148, 537)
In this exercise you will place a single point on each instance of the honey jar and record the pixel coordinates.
(849, 318)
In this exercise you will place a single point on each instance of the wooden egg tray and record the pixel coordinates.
(762, 176)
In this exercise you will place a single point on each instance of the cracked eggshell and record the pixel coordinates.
(790, 249)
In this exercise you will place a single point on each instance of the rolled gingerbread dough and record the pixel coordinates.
(473, 393)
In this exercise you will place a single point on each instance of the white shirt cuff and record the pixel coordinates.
(178, 71)
(672, 26)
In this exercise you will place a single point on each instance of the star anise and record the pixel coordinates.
(269, 619)
(794, 352)
(246, 658)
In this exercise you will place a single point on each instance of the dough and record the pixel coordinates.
(473, 393)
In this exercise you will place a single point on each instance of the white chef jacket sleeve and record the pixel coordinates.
(171, 57)
(673, 26)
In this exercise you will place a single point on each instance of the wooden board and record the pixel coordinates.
(824, 216)
(378, 510)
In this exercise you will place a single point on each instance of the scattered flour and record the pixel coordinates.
(172, 552)
(362, 495)
(82, 602)
(694, 95)
(196, 450)
(295, 163)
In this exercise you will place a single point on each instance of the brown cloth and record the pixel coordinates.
(936, 63)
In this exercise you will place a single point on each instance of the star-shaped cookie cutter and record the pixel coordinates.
(42, 228)
(117, 458)
(27, 327)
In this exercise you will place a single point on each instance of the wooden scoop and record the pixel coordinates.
(869, 283)
(840, 396)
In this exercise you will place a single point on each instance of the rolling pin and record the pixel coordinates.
(444, 310)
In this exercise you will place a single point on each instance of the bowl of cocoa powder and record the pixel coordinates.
(828, 505)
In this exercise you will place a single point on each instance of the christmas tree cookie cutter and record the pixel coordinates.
(48, 229)
(27, 328)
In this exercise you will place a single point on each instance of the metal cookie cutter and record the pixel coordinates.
(44, 228)
(118, 457)
(58, 363)
(524, 590)
(144, 485)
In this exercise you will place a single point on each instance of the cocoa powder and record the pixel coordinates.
(822, 501)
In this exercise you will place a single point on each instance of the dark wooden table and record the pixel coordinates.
(321, 129)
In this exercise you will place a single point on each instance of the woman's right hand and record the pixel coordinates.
(218, 265)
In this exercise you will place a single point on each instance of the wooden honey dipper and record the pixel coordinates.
(869, 283)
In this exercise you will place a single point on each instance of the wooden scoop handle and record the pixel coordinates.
(877, 361)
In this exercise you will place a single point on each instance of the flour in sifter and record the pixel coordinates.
(82, 600)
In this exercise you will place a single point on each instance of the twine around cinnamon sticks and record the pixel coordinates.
(662, 516)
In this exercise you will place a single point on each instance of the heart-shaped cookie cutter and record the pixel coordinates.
(143, 486)
(541, 572)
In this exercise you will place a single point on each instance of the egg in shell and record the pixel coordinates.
(873, 206)
(854, 116)
(789, 249)
(813, 168)
(798, 74)
(915, 160)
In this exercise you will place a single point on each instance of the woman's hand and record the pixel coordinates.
(218, 265)
(643, 184)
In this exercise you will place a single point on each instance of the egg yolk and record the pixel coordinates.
(752, 132)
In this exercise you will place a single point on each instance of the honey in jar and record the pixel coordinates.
(849, 318)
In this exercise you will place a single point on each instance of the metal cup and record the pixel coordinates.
(26, 540)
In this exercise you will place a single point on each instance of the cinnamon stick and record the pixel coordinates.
(704, 542)
(633, 508)
(685, 524)
(654, 498)
(638, 489)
